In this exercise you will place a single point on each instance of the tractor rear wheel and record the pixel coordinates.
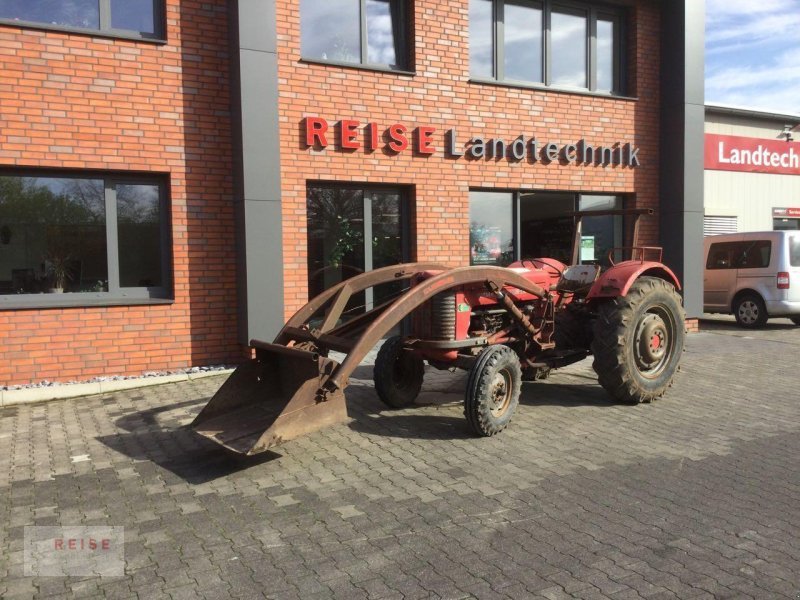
(397, 374)
(639, 340)
(493, 389)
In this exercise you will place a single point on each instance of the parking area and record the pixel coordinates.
(693, 496)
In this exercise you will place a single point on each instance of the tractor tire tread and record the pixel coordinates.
(476, 408)
(609, 345)
(383, 371)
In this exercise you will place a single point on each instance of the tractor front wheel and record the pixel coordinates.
(397, 374)
(638, 341)
(493, 390)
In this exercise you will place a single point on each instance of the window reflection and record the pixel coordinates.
(480, 38)
(68, 13)
(331, 30)
(600, 234)
(491, 228)
(139, 233)
(55, 235)
(605, 55)
(335, 236)
(133, 15)
(568, 49)
(383, 35)
(523, 42)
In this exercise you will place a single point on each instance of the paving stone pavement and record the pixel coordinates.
(694, 496)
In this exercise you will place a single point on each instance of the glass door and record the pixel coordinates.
(350, 231)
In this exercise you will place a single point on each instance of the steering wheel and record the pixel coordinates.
(542, 262)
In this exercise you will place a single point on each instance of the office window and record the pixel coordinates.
(546, 42)
(64, 239)
(522, 39)
(366, 32)
(568, 43)
(139, 18)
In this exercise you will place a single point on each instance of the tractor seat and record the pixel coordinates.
(577, 278)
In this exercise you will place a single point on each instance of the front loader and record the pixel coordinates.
(503, 325)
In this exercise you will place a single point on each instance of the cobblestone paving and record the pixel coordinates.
(694, 496)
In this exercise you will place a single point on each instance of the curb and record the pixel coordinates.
(76, 390)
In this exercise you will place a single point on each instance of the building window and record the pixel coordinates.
(362, 32)
(352, 230)
(138, 18)
(72, 239)
(546, 42)
(508, 226)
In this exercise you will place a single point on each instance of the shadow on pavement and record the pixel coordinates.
(427, 423)
(563, 394)
(729, 325)
(400, 424)
(169, 443)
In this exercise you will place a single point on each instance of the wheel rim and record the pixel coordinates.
(748, 312)
(500, 393)
(654, 342)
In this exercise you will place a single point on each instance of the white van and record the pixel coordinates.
(753, 275)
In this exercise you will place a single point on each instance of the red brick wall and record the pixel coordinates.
(76, 101)
(440, 95)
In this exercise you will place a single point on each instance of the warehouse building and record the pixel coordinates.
(176, 177)
(752, 179)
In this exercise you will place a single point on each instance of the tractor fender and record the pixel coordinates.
(617, 280)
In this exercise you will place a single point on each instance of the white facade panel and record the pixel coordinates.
(750, 197)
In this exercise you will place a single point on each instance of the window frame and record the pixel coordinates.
(159, 36)
(116, 294)
(592, 13)
(404, 63)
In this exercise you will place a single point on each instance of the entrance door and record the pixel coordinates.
(352, 230)
(546, 226)
(785, 224)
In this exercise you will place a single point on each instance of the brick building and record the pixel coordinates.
(177, 177)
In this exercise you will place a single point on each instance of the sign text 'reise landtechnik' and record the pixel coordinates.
(350, 134)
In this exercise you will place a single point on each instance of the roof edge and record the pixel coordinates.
(741, 111)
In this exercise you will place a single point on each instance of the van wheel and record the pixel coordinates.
(750, 311)
(795, 320)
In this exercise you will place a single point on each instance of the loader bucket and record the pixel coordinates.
(275, 397)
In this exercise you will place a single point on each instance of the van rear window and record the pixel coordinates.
(794, 251)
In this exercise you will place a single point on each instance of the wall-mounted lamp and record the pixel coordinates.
(5, 235)
(787, 132)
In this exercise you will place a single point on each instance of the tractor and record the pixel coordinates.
(504, 325)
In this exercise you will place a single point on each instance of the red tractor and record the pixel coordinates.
(503, 325)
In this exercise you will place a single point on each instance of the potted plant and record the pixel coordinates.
(58, 272)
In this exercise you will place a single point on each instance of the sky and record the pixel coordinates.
(753, 54)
